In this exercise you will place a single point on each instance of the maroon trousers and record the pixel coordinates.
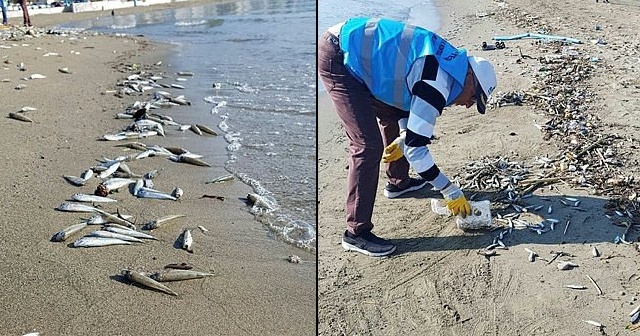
(370, 125)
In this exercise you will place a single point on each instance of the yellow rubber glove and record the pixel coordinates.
(455, 201)
(395, 150)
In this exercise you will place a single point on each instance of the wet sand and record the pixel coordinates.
(54, 289)
(436, 283)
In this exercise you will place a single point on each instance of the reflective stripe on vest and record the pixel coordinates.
(380, 53)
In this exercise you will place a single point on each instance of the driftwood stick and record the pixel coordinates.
(542, 180)
(590, 147)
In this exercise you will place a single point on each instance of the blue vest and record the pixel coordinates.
(380, 52)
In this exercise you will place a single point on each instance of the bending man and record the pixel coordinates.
(403, 76)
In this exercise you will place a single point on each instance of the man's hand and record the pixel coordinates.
(455, 200)
(395, 150)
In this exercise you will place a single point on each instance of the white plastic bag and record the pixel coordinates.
(480, 217)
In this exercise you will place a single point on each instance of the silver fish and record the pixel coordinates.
(98, 242)
(21, 117)
(196, 129)
(75, 207)
(179, 275)
(136, 188)
(117, 183)
(63, 234)
(156, 223)
(116, 219)
(131, 233)
(76, 181)
(146, 281)
(221, 179)
(187, 241)
(110, 170)
(92, 198)
(109, 234)
(99, 219)
(206, 129)
(87, 174)
(189, 159)
(150, 193)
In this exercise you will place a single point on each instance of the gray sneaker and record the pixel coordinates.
(392, 191)
(367, 243)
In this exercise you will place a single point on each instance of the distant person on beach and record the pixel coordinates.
(4, 13)
(25, 13)
(403, 76)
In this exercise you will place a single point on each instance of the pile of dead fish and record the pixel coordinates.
(589, 156)
(114, 174)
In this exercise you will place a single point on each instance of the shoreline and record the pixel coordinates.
(436, 283)
(254, 288)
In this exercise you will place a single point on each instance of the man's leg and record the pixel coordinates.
(398, 171)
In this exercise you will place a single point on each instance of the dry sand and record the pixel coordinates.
(57, 290)
(435, 283)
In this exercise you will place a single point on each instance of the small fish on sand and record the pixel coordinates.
(98, 242)
(206, 129)
(109, 234)
(75, 207)
(180, 266)
(63, 234)
(132, 233)
(76, 181)
(19, 116)
(146, 281)
(221, 179)
(187, 241)
(179, 275)
(65, 71)
(92, 198)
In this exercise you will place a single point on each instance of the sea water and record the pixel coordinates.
(261, 56)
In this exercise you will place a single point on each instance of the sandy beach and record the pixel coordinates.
(54, 289)
(436, 283)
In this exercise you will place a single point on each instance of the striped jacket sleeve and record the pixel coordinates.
(430, 87)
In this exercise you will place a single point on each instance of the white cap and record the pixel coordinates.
(486, 75)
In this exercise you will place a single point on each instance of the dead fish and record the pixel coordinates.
(206, 129)
(133, 145)
(75, 207)
(190, 160)
(221, 179)
(147, 183)
(110, 170)
(185, 73)
(27, 109)
(109, 234)
(37, 76)
(575, 287)
(136, 187)
(177, 86)
(116, 183)
(294, 259)
(65, 70)
(20, 86)
(595, 252)
(181, 266)
(76, 181)
(117, 218)
(63, 234)
(150, 193)
(92, 198)
(98, 242)
(566, 265)
(146, 281)
(177, 193)
(19, 116)
(203, 229)
(156, 223)
(87, 174)
(179, 275)
(99, 219)
(196, 129)
(130, 233)
(187, 241)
